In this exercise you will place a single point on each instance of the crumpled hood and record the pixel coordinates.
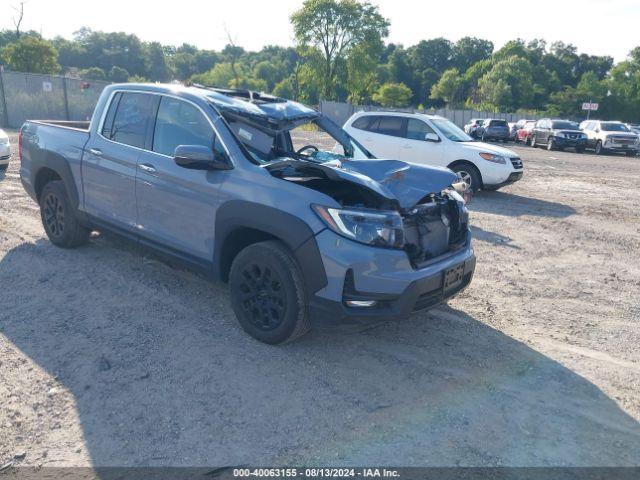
(399, 183)
(486, 147)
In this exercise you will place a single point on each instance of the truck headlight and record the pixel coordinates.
(371, 227)
(490, 157)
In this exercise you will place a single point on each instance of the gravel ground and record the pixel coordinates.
(109, 356)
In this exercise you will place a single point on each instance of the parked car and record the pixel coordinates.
(634, 127)
(213, 178)
(471, 127)
(493, 129)
(606, 137)
(433, 140)
(5, 150)
(515, 127)
(558, 134)
(524, 134)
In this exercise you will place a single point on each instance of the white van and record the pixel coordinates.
(434, 140)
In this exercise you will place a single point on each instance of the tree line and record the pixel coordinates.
(341, 54)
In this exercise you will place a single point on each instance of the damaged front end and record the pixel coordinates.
(387, 204)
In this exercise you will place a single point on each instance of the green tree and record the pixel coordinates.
(334, 27)
(93, 73)
(507, 86)
(118, 74)
(31, 54)
(393, 95)
(362, 74)
(470, 50)
(448, 88)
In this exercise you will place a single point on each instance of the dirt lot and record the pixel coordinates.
(109, 356)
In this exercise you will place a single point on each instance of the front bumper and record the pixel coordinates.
(611, 147)
(570, 142)
(358, 272)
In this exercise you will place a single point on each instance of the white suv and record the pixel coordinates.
(5, 150)
(434, 140)
(606, 137)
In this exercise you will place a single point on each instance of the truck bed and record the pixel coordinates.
(75, 125)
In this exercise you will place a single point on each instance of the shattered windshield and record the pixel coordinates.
(318, 141)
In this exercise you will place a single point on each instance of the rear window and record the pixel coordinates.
(498, 123)
(362, 123)
(133, 119)
(392, 126)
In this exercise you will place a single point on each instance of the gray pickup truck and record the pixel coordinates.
(214, 178)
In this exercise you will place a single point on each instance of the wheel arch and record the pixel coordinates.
(242, 223)
(464, 162)
(55, 167)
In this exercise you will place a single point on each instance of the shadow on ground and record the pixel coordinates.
(512, 205)
(161, 375)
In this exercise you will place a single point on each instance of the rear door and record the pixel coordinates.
(110, 159)
(382, 135)
(177, 206)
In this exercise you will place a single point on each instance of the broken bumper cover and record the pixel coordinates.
(398, 294)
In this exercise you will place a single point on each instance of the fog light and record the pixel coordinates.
(361, 303)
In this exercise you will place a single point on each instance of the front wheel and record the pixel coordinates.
(533, 141)
(59, 219)
(268, 294)
(551, 145)
(469, 175)
(631, 154)
(599, 149)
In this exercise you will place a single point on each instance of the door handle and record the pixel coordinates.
(96, 151)
(145, 167)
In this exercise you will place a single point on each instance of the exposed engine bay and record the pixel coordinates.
(429, 215)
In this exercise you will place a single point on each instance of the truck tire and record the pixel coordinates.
(532, 142)
(59, 219)
(268, 293)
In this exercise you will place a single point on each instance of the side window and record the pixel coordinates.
(111, 113)
(362, 123)
(417, 129)
(180, 123)
(133, 119)
(392, 126)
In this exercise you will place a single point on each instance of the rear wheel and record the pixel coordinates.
(59, 219)
(268, 294)
(599, 149)
(469, 175)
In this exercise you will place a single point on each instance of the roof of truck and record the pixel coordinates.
(261, 108)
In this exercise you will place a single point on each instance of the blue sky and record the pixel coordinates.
(602, 27)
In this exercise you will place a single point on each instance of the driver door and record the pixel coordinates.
(416, 149)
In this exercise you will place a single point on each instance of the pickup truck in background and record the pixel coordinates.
(213, 178)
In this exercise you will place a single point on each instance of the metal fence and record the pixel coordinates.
(340, 112)
(30, 96)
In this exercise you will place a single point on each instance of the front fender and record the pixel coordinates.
(291, 230)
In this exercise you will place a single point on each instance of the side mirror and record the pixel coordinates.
(198, 157)
(431, 137)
